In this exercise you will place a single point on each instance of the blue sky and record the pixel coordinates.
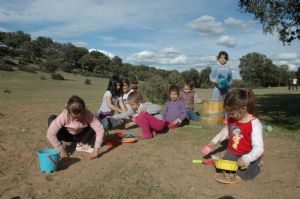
(168, 34)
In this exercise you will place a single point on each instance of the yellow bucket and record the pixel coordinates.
(212, 112)
(227, 165)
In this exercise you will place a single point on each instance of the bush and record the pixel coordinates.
(49, 66)
(87, 81)
(132, 79)
(175, 78)
(21, 67)
(13, 52)
(9, 62)
(42, 77)
(156, 89)
(66, 67)
(57, 76)
(85, 73)
(5, 67)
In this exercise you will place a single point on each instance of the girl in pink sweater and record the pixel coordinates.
(75, 124)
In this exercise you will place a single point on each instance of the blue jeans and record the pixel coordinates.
(192, 115)
(111, 123)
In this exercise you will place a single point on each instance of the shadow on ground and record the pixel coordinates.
(279, 109)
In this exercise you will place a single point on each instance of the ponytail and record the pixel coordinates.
(251, 101)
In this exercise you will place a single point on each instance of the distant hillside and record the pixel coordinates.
(19, 51)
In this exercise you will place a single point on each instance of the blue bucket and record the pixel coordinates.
(49, 159)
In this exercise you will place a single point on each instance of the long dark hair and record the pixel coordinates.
(223, 53)
(238, 98)
(112, 86)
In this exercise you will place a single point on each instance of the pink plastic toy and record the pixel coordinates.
(206, 150)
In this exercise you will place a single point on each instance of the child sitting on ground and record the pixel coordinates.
(126, 91)
(112, 103)
(175, 112)
(189, 96)
(75, 124)
(145, 114)
(244, 131)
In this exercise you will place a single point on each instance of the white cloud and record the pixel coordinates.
(281, 62)
(287, 56)
(297, 61)
(167, 56)
(226, 41)
(208, 59)
(292, 67)
(143, 57)
(169, 51)
(290, 59)
(242, 25)
(80, 43)
(103, 51)
(180, 59)
(207, 25)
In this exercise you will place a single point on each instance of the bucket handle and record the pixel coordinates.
(53, 162)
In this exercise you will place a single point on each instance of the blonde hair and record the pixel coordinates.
(136, 97)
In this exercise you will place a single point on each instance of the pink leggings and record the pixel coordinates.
(148, 123)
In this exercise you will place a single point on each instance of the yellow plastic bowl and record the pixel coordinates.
(227, 165)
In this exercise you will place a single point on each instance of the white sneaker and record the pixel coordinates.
(85, 148)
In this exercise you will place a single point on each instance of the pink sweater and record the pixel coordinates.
(74, 127)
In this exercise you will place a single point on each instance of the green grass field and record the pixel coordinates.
(157, 168)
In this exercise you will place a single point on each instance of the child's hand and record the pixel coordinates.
(175, 122)
(63, 153)
(95, 153)
(142, 110)
(241, 163)
(210, 145)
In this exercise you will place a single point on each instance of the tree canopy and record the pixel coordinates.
(282, 16)
(260, 70)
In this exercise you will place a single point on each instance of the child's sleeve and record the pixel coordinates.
(182, 111)
(54, 127)
(213, 76)
(97, 127)
(257, 143)
(123, 115)
(165, 111)
(222, 135)
(151, 108)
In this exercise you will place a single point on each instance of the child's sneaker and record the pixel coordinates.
(84, 147)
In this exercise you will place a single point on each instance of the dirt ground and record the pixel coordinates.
(157, 168)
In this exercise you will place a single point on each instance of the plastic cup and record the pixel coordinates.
(206, 150)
